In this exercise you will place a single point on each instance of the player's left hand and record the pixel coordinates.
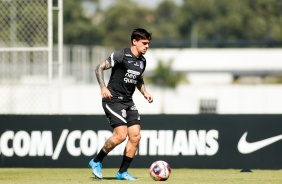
(149, 97)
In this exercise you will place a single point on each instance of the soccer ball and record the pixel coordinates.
(160, 170)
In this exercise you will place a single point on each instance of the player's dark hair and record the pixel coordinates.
(140, 34)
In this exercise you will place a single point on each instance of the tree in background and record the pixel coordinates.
(164, 21)
(78, 28)
(121, 19)
(164, 77)
(201, 20)
(231, 20)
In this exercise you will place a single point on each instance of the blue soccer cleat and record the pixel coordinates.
(96, 168)
(124, 176)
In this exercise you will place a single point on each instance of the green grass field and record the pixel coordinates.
(178, 176)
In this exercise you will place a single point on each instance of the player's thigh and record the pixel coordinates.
(134, 132)
(121, 132)
(115, 113)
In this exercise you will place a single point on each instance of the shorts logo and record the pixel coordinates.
(133, 108)
(123, 113)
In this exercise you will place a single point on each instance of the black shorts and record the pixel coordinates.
(121, 113)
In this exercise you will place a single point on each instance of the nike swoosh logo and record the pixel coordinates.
(245, 147)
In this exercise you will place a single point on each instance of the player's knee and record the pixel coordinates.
(121, 137)
(136, 138)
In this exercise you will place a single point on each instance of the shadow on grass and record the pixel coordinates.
(104, 178)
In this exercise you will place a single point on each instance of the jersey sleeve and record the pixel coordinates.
(116, 57)
(144, 65)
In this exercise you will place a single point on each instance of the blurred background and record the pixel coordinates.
(206, 56)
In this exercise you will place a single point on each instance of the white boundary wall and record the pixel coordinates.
(85, 99)
(78, 98)
(218, 59)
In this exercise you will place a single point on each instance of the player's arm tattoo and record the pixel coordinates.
(100, 72)
(109, 146)
(141, 85)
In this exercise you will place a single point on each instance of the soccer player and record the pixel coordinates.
(128, 66)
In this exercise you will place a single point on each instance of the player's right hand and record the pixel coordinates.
(105, 93)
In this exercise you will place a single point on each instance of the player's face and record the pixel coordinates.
(142, 45)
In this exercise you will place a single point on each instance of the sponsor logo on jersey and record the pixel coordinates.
(130, 61)
(133, 72)
(130, 76)
(132, 81)
(136, 64)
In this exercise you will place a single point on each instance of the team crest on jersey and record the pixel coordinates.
(123, 113)
(141, 64)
